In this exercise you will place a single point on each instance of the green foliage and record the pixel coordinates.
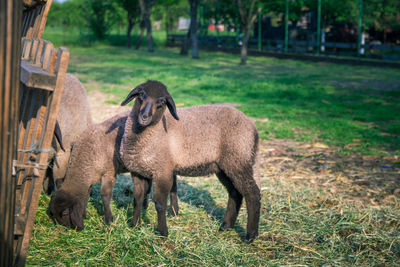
(101, 17)
(69, 14)
(168, 11)
(296, 8)
(382, 14)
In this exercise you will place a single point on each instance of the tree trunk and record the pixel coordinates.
(193, 27)
(129, 30)
(142, 28)
(149, 35)
(248, 14)
(243, 51)
(145, 7)
(185, 44)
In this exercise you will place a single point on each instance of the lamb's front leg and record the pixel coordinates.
(107, 185)
(162, 187)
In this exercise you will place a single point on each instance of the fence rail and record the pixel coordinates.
(296, 46)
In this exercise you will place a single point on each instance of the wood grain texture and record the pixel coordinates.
(10, 50)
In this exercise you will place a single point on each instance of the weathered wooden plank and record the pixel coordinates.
(34, 13)
(45, 60)
(43, 20)
(32, 53)
(33, 76)
(10, 49)
(52, 61)
(36, 127)
(27, 49)
(38, 54)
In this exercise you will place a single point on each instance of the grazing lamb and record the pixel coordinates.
(73, 118)
(94, 159)
(200, 141)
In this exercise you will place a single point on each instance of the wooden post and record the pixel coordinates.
(10, 50)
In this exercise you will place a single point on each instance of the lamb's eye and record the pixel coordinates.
(161, 102)
(142, 96)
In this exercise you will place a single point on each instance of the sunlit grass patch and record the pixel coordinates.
(331, 103)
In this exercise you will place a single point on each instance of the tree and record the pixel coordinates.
(248, 13)
(132, 8)
(97, 17)
(192, 31)
(145, 8)
(381, 15)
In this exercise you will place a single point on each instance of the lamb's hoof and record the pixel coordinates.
(145, 204)
(250, 237)
(163, 233)
(173, 211)
(224, 226)
(134, 224)
(108, 220)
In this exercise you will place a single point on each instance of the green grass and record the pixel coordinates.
(329, 103)
(302, 223)
(82, 37)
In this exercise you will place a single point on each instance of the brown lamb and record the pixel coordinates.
(73, 118)
(94, 159)
(195, 141)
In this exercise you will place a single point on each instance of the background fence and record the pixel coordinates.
(362, 28)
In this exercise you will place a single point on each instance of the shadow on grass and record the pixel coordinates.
(199, 198)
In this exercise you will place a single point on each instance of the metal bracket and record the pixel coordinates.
(18, 166)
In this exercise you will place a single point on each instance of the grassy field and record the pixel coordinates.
(311, 214)
(351, 108)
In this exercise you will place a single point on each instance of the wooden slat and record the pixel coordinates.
(34, 13)
(45, 60)
(32, 52)
(36, 77)
(52, 61)
(27, 49)
(43, 21)
(38, 55)
(35, 18)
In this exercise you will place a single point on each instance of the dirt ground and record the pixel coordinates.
(367, 180)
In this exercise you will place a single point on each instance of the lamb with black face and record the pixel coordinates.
(196, 141)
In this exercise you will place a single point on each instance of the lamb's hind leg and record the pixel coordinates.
(253, 198)
(147, 189)
(107, 185)
(234, 202)
(141, 189)
(174, 198)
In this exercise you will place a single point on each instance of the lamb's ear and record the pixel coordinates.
(76, 214)
(171, 106)
(58, 135)
(134, 93)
